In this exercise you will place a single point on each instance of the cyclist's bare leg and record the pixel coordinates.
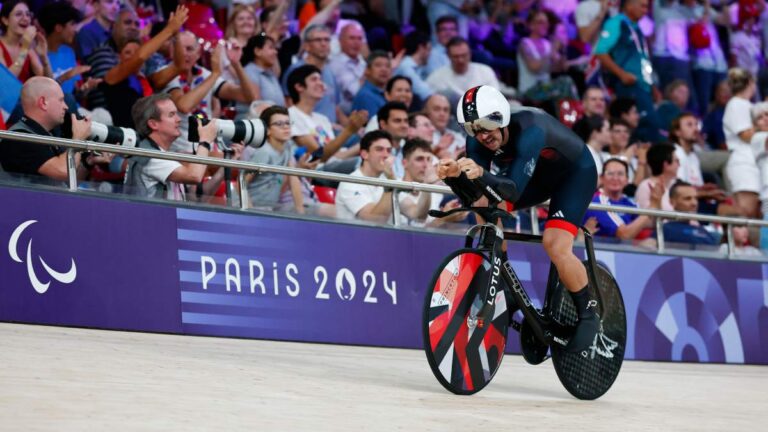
(558, 244)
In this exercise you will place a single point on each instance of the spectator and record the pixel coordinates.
(623, 53)
(438, 109)
(709, 62)
(671, 50)
(664, 164)
(746, 50)
(676, 96)
(365, 202)
(398, 89)
(59, 20)
(684, 134)
(311, 129)
(259, 59)
(590, 16)
(157, 122)
(683, 199)
(377, 73)
(104, 57)
(42, 102)
(595, 132)
(419, 167)
(712, 125)
(413, 65)
(634, 155)
(741, 169)
(453, 80)
(420, 126)
(535, 56)
(192, 91)
(593, 102)
(264, 189)
(348, 66)
(317, 45)
(446, 28)
(99, 30)
(24, 51)
(623, 226)
(122, 85)
(625, 109)
(241, 25)
(741, 246)
(393, 119)
(274, 22)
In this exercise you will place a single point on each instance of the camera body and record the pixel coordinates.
(250, 132)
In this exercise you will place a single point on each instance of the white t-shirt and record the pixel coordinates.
(690, 166)
(444, 80)
(406, 198)
(352, 197)
(738, 118)
(317, 125)
(758, 150)
(598, 157)
(156, 172)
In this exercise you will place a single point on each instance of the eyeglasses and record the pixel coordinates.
(618, 174)
(282, 123)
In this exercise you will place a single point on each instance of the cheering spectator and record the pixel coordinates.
(370, 203)
(746, 50)
(59, 20)
(741, 169)
(348, 66)
(664, 164)
(193, 90)
(99, 30)
(311, 129)
(535, 57)
(634, 154)
(24, 50)
(241, 25)
(438, 109)
(398, 89)
(393, 119)
(453, 80)
(274, 22)
(624, 226)
(377, 73)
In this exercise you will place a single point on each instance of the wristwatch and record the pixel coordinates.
(202, 144)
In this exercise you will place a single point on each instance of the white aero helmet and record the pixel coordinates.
(482, 108)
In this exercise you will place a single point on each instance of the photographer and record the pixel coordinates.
(42, 101)
(157, 122)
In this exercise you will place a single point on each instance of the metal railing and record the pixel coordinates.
(244, 167)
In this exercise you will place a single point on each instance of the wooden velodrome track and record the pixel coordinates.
(64, 379)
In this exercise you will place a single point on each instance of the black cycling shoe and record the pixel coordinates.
(584, 336)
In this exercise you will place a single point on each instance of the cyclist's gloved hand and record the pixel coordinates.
(467, 190)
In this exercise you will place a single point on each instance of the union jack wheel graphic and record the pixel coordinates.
(589, 374)
(464, 354)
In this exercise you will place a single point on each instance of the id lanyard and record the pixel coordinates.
(646, 68)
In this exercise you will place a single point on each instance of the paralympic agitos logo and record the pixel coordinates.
(39, 285)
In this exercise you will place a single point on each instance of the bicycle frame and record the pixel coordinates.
(490, 240)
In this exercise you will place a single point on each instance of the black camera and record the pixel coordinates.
(101, 133)
(249, 132)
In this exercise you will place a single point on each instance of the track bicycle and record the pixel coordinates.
(473, 299)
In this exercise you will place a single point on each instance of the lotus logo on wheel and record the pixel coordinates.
(39, 286)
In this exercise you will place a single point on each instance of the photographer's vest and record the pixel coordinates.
(133, 171)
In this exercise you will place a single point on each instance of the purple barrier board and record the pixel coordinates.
(82, 261)
(78, 261)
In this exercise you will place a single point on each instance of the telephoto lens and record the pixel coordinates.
(249, 132)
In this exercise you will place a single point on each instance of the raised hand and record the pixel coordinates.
(216, 59)
(178, 18)
(29, 36)
(358, 119)
(234, 51)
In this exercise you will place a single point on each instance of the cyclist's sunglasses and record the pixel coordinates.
(488, 123)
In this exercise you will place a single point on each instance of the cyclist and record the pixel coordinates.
(536, 158)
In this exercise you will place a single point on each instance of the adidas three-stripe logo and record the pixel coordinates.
(558, 214)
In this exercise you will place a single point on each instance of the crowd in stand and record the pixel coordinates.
(665, 93)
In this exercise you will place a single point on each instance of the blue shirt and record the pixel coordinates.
(61, 61)
(417, 74)
(369, 98)
(90, 37)
(623, 40)
(267, 83)
(326, 105)
(609, 222)
(684, 232)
